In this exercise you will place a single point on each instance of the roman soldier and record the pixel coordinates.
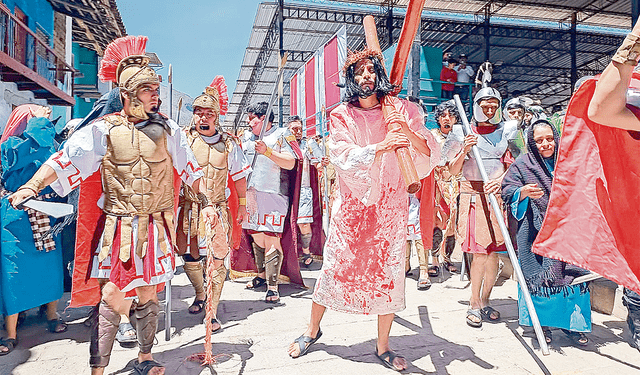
(221, 158)
(128, 166)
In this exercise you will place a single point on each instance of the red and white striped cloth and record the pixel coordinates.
(313, 86)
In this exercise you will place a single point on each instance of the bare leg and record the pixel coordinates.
(317, 311)
(11, 323)
(490, 273)
(384, 328)
(124, 317)
(477, 275)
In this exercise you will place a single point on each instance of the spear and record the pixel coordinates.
(167, 297)
(269, 110)
(179, 110)
(497, 210)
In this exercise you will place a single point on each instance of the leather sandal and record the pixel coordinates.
(196, 307)
(10, 344)
(304, 342)
(256, 283)
(143, 368)
(307, 260)
(57, 325)
(270, 294)
(387, 359)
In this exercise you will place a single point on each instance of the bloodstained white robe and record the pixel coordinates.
(364, 255)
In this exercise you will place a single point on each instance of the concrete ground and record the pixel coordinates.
(431, 333)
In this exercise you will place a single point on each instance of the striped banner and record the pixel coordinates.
(313, 86)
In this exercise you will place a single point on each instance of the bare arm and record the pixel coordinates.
(283, 159)
(608, 105)
(455, 165)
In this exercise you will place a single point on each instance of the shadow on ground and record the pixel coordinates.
(414, 347)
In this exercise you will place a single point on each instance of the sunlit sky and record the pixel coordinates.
(200, 38)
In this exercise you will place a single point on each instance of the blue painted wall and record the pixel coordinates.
(86, 61)
(39, 12)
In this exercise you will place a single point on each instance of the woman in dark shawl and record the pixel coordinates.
(525, 189)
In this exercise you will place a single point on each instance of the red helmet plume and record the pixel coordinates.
(117, 51)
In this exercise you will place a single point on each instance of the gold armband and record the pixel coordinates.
(629, 52)
(242, 201)
(268, 152)
(36, 184)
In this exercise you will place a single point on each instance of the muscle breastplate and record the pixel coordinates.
(137, 172)
(213, 161)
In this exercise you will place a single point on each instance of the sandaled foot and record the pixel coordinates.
(56, 325)
(300, 346)
(215, 325)
(149, 367)
(392, 360)
(577, 338)
(434, 271)
(424, 283)
(548, 336)
(489, 313)
(474, 318)
(7, 346)
(451, 268)
(272, 296)
(256, 283)
(197, 306)
(126, 333)
(307, 259)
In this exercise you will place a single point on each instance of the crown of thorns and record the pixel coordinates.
(366, 53)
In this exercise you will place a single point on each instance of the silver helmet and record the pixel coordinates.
(483, 94)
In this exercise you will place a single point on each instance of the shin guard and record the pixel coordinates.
(258, 253)
(103, 332)
(194, 271)
(273, 263)
(147, 324)
(217, 280)
(437, 241)
(305, 240)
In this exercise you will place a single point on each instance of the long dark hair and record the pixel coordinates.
(353, 91)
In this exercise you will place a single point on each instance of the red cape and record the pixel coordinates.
(427, 197)
(318, 236)
(85, 291)
(593, 218)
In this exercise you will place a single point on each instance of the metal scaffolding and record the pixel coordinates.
(536, 58)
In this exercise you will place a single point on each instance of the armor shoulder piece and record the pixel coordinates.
(510, 129)
(114, 120)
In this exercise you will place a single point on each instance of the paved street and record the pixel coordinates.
(431, 333)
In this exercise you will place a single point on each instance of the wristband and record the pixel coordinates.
(629, 52)
(35, 184)
(268, 152)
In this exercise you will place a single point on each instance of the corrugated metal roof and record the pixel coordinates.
(531, 57)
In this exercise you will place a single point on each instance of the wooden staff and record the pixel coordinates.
(409, 29)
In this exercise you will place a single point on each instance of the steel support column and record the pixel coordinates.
(281, 48)
(574, 50)
(487, 35)
(414, 67)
